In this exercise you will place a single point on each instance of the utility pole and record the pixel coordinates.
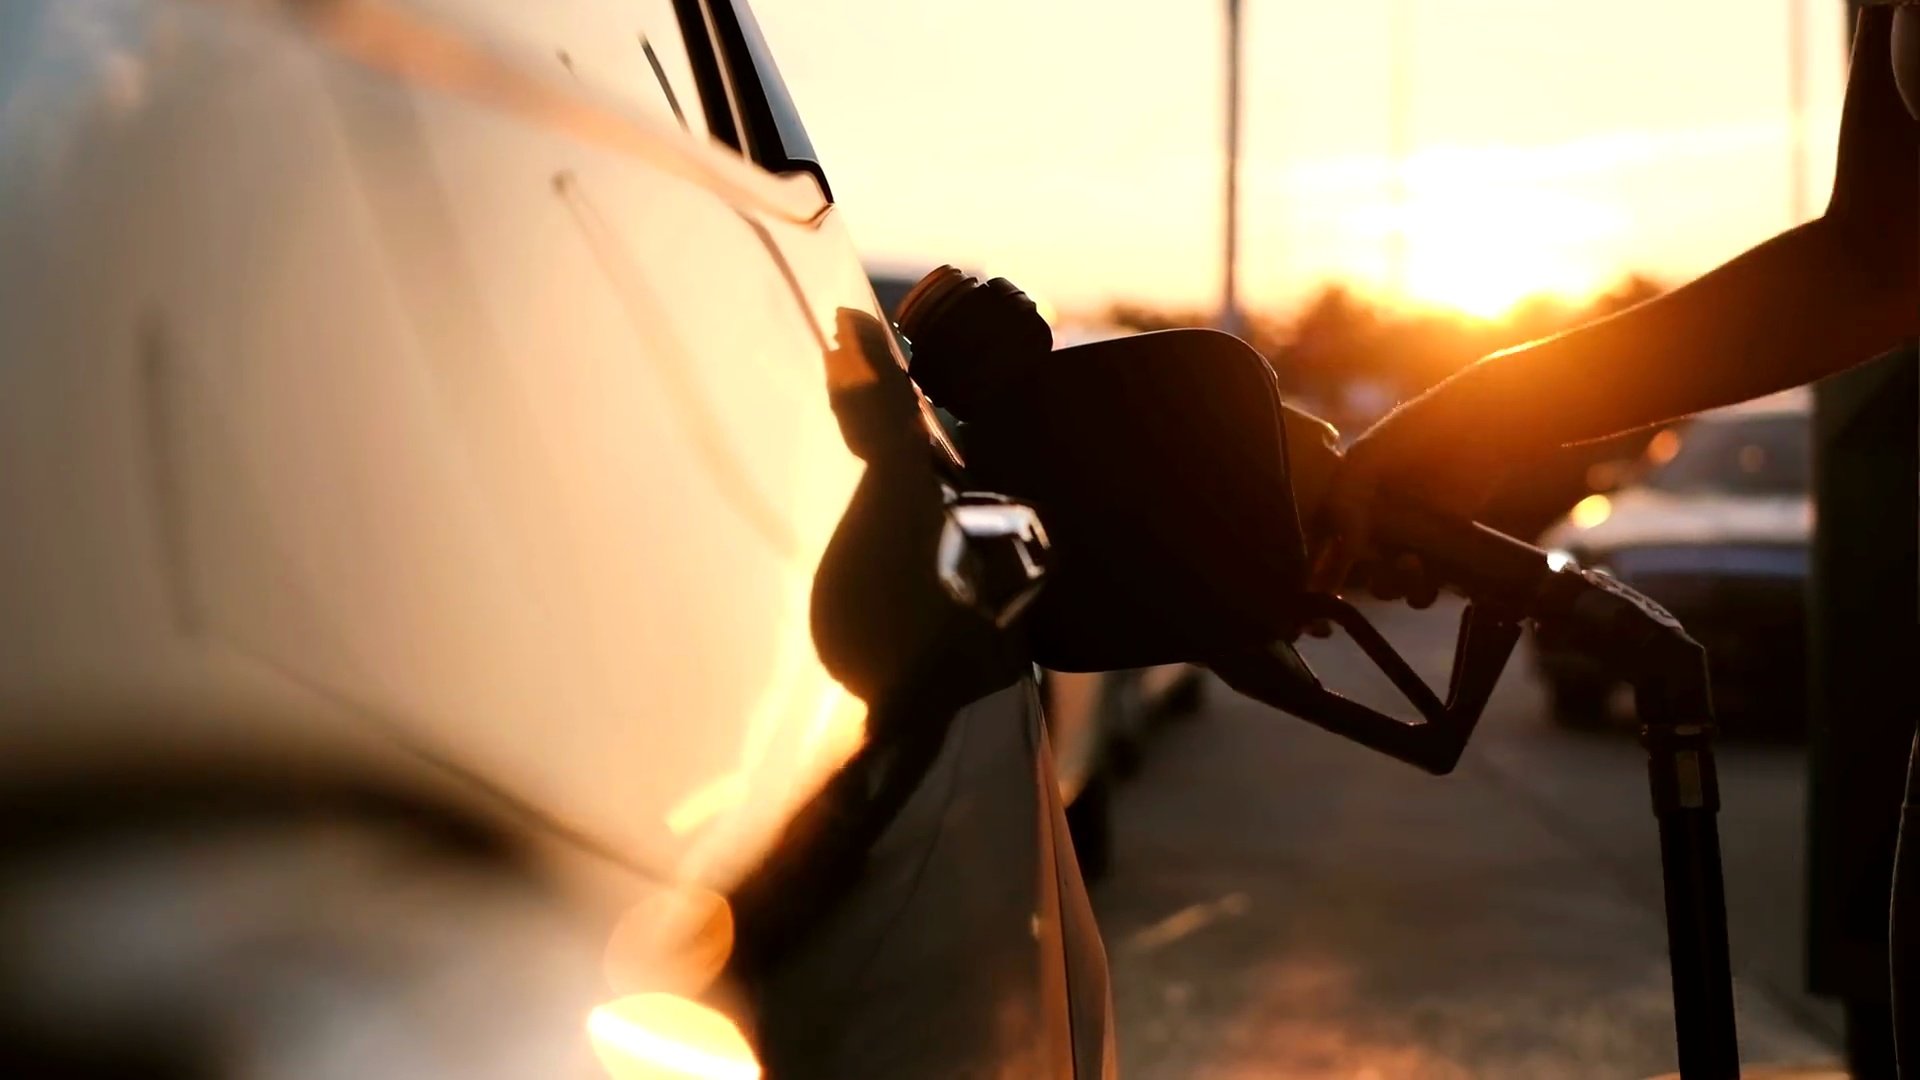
(1797, 109)
(1399, 137)
(1230, 299)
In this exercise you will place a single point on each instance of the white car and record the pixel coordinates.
(483, 596)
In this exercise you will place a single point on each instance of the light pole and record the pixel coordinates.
(1399, 111)
(1229, 298)
(1797, 109)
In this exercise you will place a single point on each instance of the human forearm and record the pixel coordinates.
(1801, 306)
(1809, 302)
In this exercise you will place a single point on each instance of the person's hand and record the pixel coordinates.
(1442, 449)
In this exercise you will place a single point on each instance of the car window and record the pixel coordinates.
(793, 145)
(665, 51)
(772, 134)
(1755, 455)
(632, 51)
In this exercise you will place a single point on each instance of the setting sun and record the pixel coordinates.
(1479, 248)
(1083, 160)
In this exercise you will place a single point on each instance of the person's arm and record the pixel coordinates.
(1814, 300)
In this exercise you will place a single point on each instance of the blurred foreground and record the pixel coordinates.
(1285, 905)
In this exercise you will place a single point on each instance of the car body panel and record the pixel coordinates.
(352, 423)
(1074, 704)
(852, 1000)
(372, 497)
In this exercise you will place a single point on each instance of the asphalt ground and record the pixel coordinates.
(1286, 904)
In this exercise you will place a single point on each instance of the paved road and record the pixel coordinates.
(1284, 904)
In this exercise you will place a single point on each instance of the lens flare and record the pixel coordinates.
(664, 1037)
(1663, 447)
(706, 802)
(1591, 511)
(676, 940)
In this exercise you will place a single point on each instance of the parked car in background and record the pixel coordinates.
(1100, 724)
(1717, 528)
(1540, 492)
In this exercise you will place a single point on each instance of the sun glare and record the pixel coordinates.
(1591, 511)
(662, 1037)
(1482, 248)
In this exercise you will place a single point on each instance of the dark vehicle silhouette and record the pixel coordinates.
(1716, 528)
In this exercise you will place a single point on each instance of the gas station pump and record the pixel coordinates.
(1863, 627)
(1863, 637)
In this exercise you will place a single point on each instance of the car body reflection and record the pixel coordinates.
(467, 430)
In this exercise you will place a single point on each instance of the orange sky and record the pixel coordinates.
(1073, 145)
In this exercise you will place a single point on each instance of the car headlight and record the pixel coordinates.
(1590, 511)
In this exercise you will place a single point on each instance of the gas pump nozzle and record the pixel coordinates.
(1506, 581)
(1470, 559)
(1174, 483)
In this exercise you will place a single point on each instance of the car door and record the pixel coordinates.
(732, 505)
(484, 397)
